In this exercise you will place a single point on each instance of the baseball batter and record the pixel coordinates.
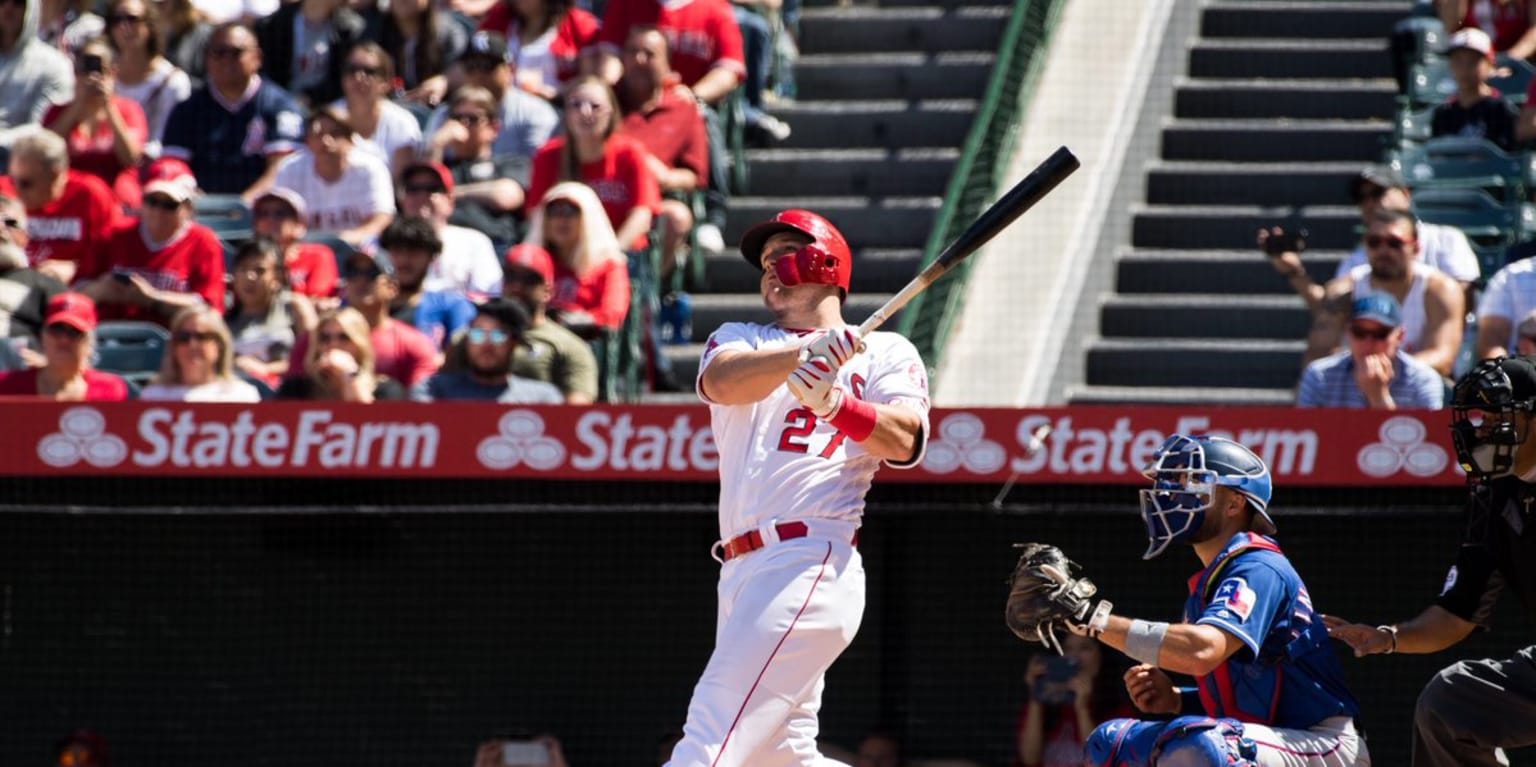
(803, 412)
(1269, 690)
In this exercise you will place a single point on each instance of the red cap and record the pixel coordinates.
(72, 309)
(172, 177)
(534, 259)
(443, 175)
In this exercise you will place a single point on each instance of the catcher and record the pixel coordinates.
(1270, 691)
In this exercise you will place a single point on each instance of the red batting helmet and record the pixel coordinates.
(826, 261)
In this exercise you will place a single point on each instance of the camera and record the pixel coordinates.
(1051, 687)
(92, 63)
(1283, 240)
(524, 753)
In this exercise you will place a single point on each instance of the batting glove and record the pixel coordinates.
(814, 383)
(837, 345)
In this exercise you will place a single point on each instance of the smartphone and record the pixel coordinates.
(1060, 668)
(1051, 687)
(92, 63)
(1286, 241)
(524, 753)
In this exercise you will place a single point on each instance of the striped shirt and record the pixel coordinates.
(1330, 382)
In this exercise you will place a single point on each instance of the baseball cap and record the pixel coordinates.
(293, 199)
(1380, 176)
(72, 309)
(379, 260)
(172, 178)
(1471, 39)
(534, 259)
(444, 176)
(489, 45)
(507, 312)
(1379, 307)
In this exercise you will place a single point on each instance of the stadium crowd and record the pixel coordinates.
(361, 199)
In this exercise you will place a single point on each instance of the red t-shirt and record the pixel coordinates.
(75, 226)
(191, 263)
(576, 31)
(400, 352)
(602, 293)
(99, 386)
(312, 270)
(702, 34)
(620, 178)
(92, 152)
(1510, 21)
(673, 130)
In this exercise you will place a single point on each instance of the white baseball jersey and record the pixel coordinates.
(777, 461)
(365, 188)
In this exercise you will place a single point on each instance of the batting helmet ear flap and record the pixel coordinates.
(834, 265)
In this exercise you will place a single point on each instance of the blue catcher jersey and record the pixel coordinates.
(1287, 674)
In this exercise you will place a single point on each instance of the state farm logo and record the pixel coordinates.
(962, 443)
(520, 439)
(1402, 448)
(82, 436)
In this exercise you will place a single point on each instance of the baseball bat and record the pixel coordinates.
(1010, 206)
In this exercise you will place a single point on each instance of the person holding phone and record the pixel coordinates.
(1069, 695)
(541, 751)
(106, 133)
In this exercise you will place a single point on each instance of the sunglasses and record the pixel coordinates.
(362, 274)
(123, 18)
(188, 336)
(11, 223)
(1378, 241)
(481, 335)
(524, 277)
(226, 52)
(60, 329)
(1371, 334)
(331, 338)
(161, 203)
(276, 214)
(13, 2)
(469, 118)
(561, 209)
(353, 70)
(424, 189)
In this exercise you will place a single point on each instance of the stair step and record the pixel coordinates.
(869, 222)
(893, 75)
(904, 172)
(875, 270)
(1272, 141)
(1233, 227)
(1214, 363)
(926, 29)
(1246, 272)
(1303, 58)
(1315, 98)
(1170, 395)
(1272, 184)
(885, 123)
(1294, 18)
(1204, 316)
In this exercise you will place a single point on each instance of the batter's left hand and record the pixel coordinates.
(837, 345)
(814, 383)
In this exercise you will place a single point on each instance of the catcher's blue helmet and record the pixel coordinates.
(1184, 475)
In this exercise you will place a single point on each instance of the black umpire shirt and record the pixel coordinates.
(1498, 547)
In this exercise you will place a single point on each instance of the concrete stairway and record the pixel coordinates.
(887, 91)
(1282, 102)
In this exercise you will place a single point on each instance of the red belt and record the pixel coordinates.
(752, 540)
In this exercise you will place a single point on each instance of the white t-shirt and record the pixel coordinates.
(1415, 320)
(777, 462)
(1443, 247)
(397, 128)
(1511, 294)
(535, 60)
(219, 11)
(467, 265)
(233, 390)
(164, 88)
(363, 190)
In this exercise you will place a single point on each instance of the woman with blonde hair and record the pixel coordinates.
(338, 363)
(591, 287)
(200, 366)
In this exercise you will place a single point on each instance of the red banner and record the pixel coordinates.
(1318, 448)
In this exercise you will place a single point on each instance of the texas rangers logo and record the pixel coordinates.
(962, 443)
(1402, 448)
(1235, 597)
(520, 439)
(82, 436)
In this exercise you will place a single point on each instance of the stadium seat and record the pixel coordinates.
(1460, 162)
(1512, 77)
(1413, 127)
(1430, 83)
(226, 214)
(1487, 222)
(133, 350)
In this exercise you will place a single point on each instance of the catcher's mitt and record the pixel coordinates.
(1044, 597)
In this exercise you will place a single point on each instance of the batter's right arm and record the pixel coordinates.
(741, 377)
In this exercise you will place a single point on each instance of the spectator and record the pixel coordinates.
(1477, 110)
(384, 128)
(591, 289)
(527, 121)
(1433, 306)
(423, 40)
(83, 748)
(162, 262)
(184, 33)
(69, 339)
(33, 75)
(495, 332)
(757, 42)
(879, 749)
(590, 149)
(24, 292)
(703, 36)
(266, 317)
(468, 262)
(550, 352)
(1069, 695)
(339, 363)
(105, 132)
(411, 244)
(546, 37)
(304, 45)
(200, 366)
(68, 24)
(1511, 23)
(70, 215)
(1525, 340)
(347, 191)
(490, 187)
(236, 130)
(144, 75)
(671, 128)
(1509, 296)
(243, 11)
(1374, 372)
(278, 214)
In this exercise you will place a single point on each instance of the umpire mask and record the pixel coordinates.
(1485, 426)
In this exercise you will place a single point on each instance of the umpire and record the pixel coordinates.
(1472, 708)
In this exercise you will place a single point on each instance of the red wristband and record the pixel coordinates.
(856, 418)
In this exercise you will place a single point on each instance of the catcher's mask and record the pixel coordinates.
(1484, 404)
(1185, 473)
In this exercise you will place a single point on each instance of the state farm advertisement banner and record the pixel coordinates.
(671, 443)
